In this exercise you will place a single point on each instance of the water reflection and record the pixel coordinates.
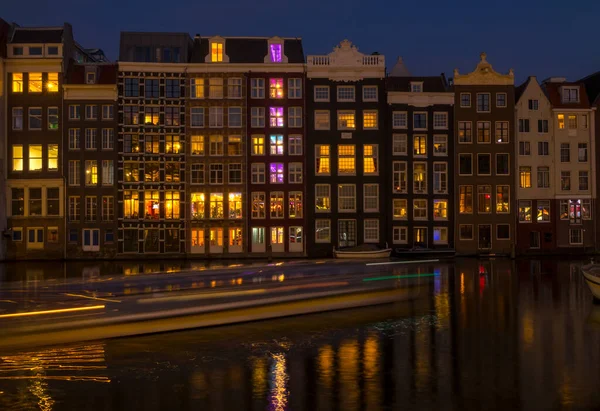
(481, 335)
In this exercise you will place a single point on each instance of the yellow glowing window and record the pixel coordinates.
(525, 177)
(17, 154)
(572, 121)
(198, 205)
(91, 172)
(171, 205)
(420, 145)
(276, 235)
(17, 82)
(561, 121)
(465, 199)
(52, 82)
(235, 205)
(216, 237)
(35, 82)
(322, 159)
(276, 88)
(346, 159)
(216, 205)
(198, 237)
(370, 158)
(502, 199)
(216, 53)
(197, 145)
(235, 237)
(400, 209)
(258, 145)
(131, 204)
(172, 145)
(52, 157)
(346, 120)
(440, 209)
(370, 119)
(35, 157)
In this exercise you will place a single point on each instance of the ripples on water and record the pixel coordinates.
(493, 335)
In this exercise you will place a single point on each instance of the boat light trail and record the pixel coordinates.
(404, 262)
(394, 277)
(61, 310)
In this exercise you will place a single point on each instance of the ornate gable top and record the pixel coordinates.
(484, 74)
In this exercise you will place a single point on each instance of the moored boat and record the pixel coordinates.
(591, 273)
(361, 253)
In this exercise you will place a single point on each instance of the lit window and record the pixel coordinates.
(440, 120)
(525, 177)
(275, 53)
(172, 172)
(52, 157)
(543, 211)
(420, 209)
(420, 146)
(483, 132)
(17, 157)
(464, 132)
(371, 159)
(295, 204)
(502, 199)
(572, 122)
(152, 144)
(440, 209)
(198, 206)
(35, 157)
(276, 144)
(484, 199)
(346, 159)
(561, 121)
(371, 198)
(17, 82)
(276, 88)
(276, 116)
(322, 198)
(257, 88)
(419, 177)
(234, 146)
(346, 198)
(258, 205)
(235, 205)
(295, 145)
(345, 93)
(276, 235)
(295, 173)
(215, 87)
(52, 85)
(399, 177)
(257, 115)
(440, 235)
(131, 204)
(295, 117)
(35, 83)
(322, 120)
(197, 240)
(152, 205)
(215, 117)
(322, 231)
(197, 88)
(276, 173)
(235, 238)
(321, 93)
(525, 211)
(234, 87)
(440, 145)
(91, 172)
(465, 199)
(258, 145)
(346, 120)
(502, 131)
(370, 119)
(35, 118)
(440, 178)
(151, 115)
(399, 119)
(216, 237)
(400, 208)
(322, 159)
(276, 204)
(216, 52)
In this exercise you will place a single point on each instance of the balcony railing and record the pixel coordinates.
(374, 60)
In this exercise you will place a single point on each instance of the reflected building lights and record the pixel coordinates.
(278, 397)
(349, 389)
(259, 377)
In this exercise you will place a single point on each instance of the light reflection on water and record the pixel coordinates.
(481, 335)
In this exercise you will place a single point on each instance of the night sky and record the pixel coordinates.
(542, 38)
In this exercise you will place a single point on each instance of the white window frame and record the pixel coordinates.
(323, 127)
(399, 119)
(349, 197)
(367, 112)
(295, 145)
(294, 88)
(367, 198)
(341, 90)
(397, 141)
(441, 229)
(402, 231)
(571, 232)
(258, 173)
(441, 115)
(322, 224)
(257, 117)
(415, 208)
(295, 172)
(321, 89)
(234, 83)
(365, 88)
(295, 117)
(374, 225)
(426, 120)
(320, 195)
(257, 88)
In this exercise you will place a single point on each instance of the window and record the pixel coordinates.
(258, 205)
(276, 145)
(130, 115)
(502, 232)
(295, 145)
(533, 104)
(91, 208)
(197, 88)
(131, 171)
(370, 120)
(465, 100)
(586, 209)
(321, 93)
(131, 143)
(234, 146)
(35, 238)
(131, 204)
(295, 173)
(525, 177)
(35, 118)
(216, 52)
(570, 94)
(52, 157)
(543, 211)
(575, 236)
(420, 121)
(583, 180)
(484, 199)
(369, 93)
(565, 180)
(235, 173)
(109, 236)
(257, 88)
(197, 145)
(440, 209)
(440, 178)
(584, 121)
(542, 126)
(151, 116)
(565, 153)
(483, 132)
(371, 227)
(543, 177)
(276, 88)
(52, 118)
(501, 100)
(400, 177)
(91, 112)
(346, 159)
(172, 144)
(564, 209)
(416, 87)
(276, 116)
(420, 146)
(295, 117)
(258, 145)
(561, 121)
(35, 80)
(502, 199)
(483, 102)
(440, 235)
(582, 152)
(257, 115)
(322, 120)
(172, 116)
(322, 159)
(215, 87)
(91, 172)
(234, 117)
(108, 208)
(216, 145)
(17, 202)
(575, 211)
(276, 173)
(235, 205)
(172, 205)
(525, 211)
(420, 177)
(35, 157)
(399, 144)
(346, 120)
(465, 232)
(74, 208)
(152, 144)
(215, 173)
(234, 87)
(543, 148)
(322, 231)
(420, 209)
(399, 119)
(17, 118)
(215, 117)
(523, 125)
(322, 198)
(108, 139)
(74, 172)
(400, 235)
(17, 82)
(371, 198)
(152, 89)
(502, 131)
(524, 148)
(295, 204)
(440, 121)
(108, 112)
(464, 132)
(172, 88)
(276, 204)
(132, 87)
(197, 117)
(91, 139)
(400, 208)
(152, 205)
(35, 201)
(108, 172)
(484, 164)
(465, 199)
(345, 93)
(294, 88)
(17, 157)
(197, 173)
(440, 145)
(346, 198)
(74, 138)
(465, 164)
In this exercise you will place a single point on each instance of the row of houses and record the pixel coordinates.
(216, 147)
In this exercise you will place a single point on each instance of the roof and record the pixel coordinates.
(519, 90)
(248, 49)
(399, 69)
(105, 73)
(431, 84)
(37, 35)
(592, 87)
(553, 92)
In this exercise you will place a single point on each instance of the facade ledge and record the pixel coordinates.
(420, 99)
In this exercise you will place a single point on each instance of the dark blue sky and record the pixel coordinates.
(542, 38)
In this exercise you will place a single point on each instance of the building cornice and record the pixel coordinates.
(346, 63)
(211, 67)
(420, 99)
(33, 65)
(484, 74)
(107, 92)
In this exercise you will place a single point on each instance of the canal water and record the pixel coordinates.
(484, 335)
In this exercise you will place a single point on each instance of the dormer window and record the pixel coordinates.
(416, 87)
(90, 77)
(216, 52)
(53, 51)
(17, 51)
(35, 51)
(275, 51)
(570, 94)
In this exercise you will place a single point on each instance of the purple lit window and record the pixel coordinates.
(276, 145)
(276, 88)
(276, 172)
(276, 53)
(276, 116)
